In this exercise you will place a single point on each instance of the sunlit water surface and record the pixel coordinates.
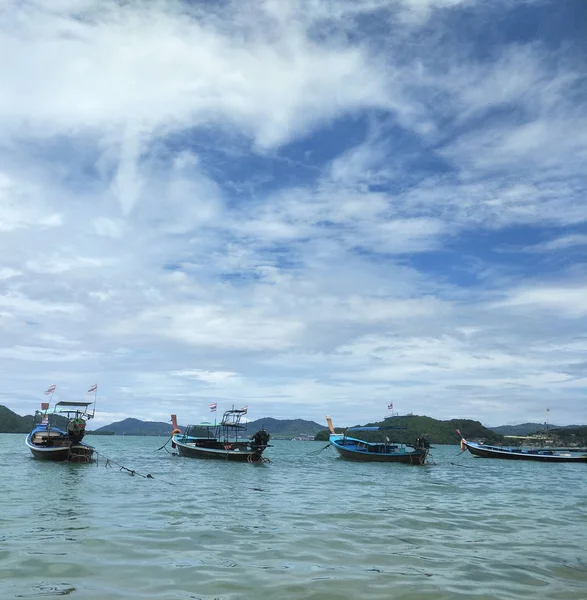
(307, 526)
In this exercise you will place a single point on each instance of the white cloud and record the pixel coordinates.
(563, 242)
(292, 205)
(98, 72)
(25, 305)
(7, 273)
(205, 376)
(22, 206)
(570, 302)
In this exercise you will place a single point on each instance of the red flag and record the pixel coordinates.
(212, 407)
(93, 388)
(50, 390)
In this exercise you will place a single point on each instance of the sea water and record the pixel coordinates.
(308, 525)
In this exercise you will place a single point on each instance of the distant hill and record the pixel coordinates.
(521, 429)
(286, 428)
(136, 427)
(529, 428)
(10, 422)
(438, 432)
(278, 428)
(573, 435)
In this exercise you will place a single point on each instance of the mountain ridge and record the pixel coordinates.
(11, 422)
(528, 428)
(278, 428)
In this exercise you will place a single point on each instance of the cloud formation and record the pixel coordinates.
(303, 206)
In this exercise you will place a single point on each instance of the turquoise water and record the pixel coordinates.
(307, 526)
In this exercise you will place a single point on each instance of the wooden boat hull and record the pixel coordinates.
(68, 452)
(481, 451)
(415, 457)
(192, 450)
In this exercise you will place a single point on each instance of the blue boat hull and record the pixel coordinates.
(54, 445)
(540, 455)
(354, 449)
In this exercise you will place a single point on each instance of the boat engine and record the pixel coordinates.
(422, 443)
(260, 439)
(76, 429)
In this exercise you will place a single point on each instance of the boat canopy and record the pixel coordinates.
(373, 428)
(73, 404)
(363, 429)
(231, 418)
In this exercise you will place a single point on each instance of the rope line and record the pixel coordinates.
(110, 462)
(165, 444)
(320, 450)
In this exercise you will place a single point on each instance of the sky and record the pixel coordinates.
(308, 207)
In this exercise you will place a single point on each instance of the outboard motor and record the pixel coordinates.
(76, 429)
(422, 443)
(260, 439)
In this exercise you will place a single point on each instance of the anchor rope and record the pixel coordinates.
(109, 462)
(320, 450)
(165, 444)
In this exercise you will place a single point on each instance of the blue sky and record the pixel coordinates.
(305, 207)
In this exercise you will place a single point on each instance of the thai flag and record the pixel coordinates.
(50, 390)
(212, 407)
(390, 406)
(245, 409)
(93, 388)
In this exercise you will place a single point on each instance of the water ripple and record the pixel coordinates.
(307, 526)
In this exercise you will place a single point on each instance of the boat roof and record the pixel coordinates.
(363, 429)
(73, 404)
(373, 428)
(230, 419)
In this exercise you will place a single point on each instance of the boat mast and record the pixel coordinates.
(94, 389)
(45, 405)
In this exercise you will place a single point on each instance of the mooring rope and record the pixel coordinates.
(109, 462)
(458, 456)
(76, 457)
(165, 444)
(261, 459)
(320, 450)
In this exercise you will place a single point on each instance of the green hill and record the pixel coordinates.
(438, 432)
(521, 429)
(285, 428)
(278, 428)
(10, 422)
(569, 436)
(135, 427)
(529, 428)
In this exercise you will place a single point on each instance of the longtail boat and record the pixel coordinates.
(553, 455)
(352, 448)
(49, 441)
(221, 441)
